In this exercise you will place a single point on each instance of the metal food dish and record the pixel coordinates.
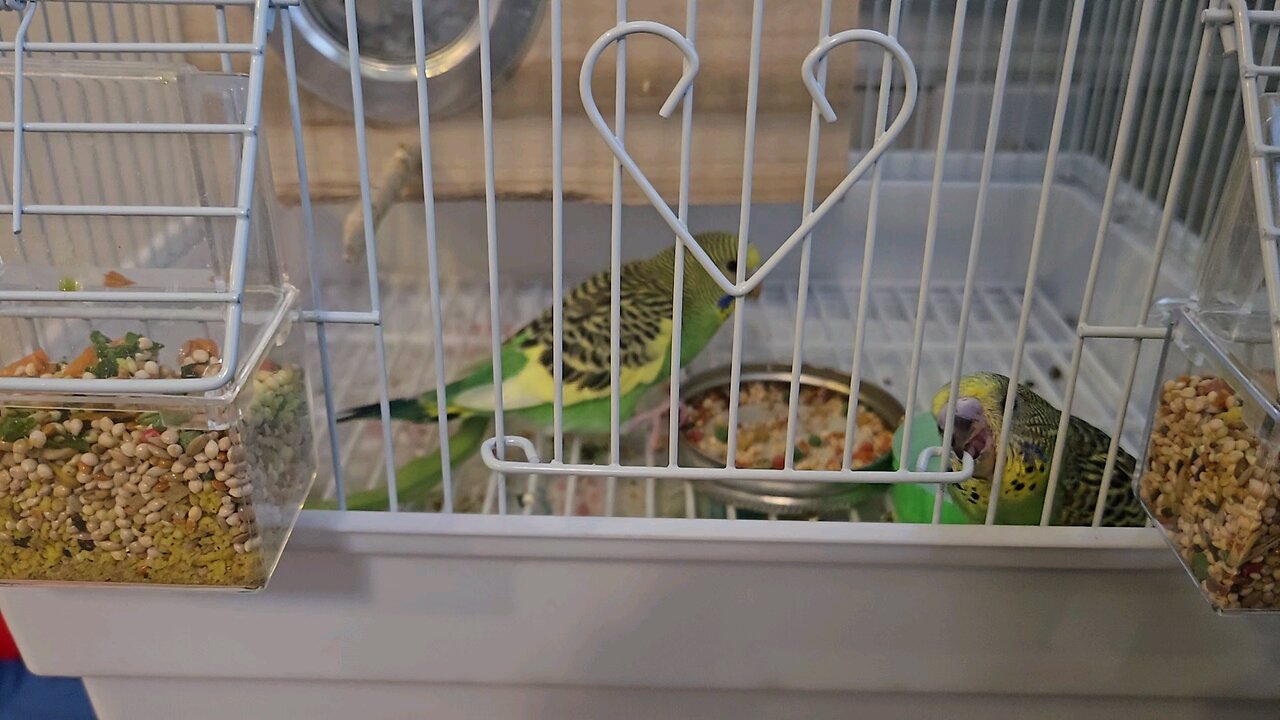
(387, 66)
(781, 497)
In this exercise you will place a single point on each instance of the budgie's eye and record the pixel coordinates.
(732, 265)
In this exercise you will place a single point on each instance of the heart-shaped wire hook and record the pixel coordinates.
(614, 34)
(816, 91)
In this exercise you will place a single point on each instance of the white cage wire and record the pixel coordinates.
(1063, 165)
(959, 250)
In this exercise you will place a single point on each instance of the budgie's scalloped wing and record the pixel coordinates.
(1084, 463)
(645, 344)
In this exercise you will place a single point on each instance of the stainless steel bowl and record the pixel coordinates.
(781, 497)
(387, 67)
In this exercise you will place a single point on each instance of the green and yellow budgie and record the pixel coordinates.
(980, 401)
(527, 360)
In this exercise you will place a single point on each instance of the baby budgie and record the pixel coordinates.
(527, 359)
(980, 402)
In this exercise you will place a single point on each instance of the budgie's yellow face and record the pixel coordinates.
(979, 405)
(723, 250)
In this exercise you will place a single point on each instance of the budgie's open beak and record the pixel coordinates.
(969, 425)
(960, 437)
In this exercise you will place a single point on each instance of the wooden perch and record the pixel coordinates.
(401, 167)
(522, 114)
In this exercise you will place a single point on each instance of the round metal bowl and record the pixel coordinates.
(781, 497)
(387, 67)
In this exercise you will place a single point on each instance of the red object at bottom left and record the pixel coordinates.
(8, 648)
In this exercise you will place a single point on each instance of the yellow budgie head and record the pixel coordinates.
(980, 401)
(704, 299)
(699, 287)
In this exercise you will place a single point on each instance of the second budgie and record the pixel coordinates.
(527, 359)
(980, 401)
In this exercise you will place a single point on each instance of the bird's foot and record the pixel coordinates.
(657, 421)
(657, 435)
(648, 417)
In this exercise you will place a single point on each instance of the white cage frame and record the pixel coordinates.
(390, 613)
(1234, 15)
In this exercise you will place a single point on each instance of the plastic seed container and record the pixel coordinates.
(197, 489)
(155, 414)
(1210, 479)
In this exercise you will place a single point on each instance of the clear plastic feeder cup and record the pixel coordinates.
(154, 412)
(1209, 478)
(196, 489)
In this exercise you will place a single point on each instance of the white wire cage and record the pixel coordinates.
(959, 250)
(1062, 164)
(986, 153)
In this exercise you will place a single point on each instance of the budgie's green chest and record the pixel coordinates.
(697, 331)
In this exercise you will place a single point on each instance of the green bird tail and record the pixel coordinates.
(415, 409)
(417, 479)
(422, 409)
